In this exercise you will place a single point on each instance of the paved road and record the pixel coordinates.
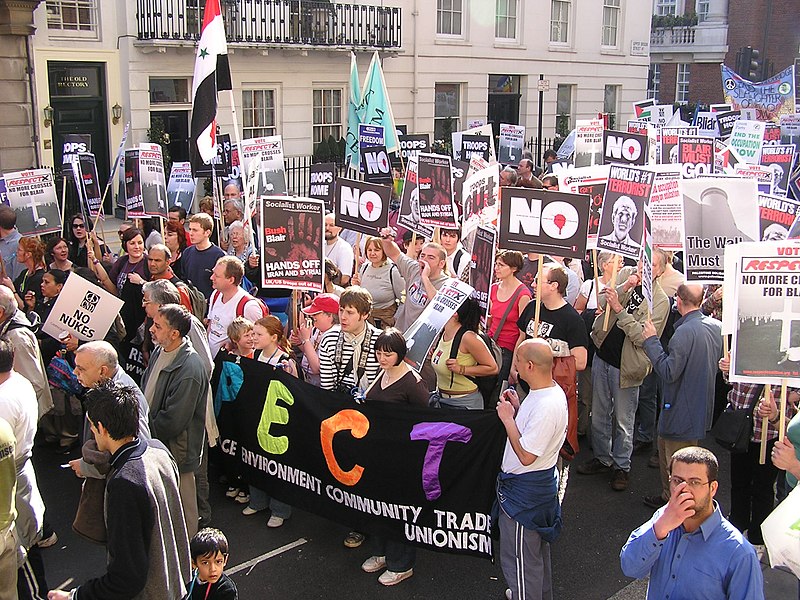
(307, 559)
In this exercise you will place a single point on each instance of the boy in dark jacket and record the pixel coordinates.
(209, 549)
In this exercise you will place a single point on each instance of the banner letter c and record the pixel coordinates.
(344, 420)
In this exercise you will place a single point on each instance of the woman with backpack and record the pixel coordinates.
(460, 357)
(382, 279)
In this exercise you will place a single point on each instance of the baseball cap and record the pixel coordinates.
(328, 303)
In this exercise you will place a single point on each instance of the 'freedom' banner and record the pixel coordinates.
(422, 476)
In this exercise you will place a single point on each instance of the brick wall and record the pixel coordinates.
(748, 24)
(705, 83)
(666, 88)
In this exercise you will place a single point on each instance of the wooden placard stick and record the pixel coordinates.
(538, 296)
(782, 411)
(596, 277)
(762, 455)
(613, 283)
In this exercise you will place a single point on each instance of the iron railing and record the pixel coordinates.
(276, 22)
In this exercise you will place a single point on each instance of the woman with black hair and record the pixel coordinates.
(78, 236)
(457, 367)
(57, 254)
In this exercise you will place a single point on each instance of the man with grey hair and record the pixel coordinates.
(175, 384)
(508, 177)
(232, 210)
(96, 362)
(16, 328)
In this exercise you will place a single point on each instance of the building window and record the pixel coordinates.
(169, 91)
(447, 101)
(448, 17)
(559, 21)
(564, 109)
(653, 81)
(327, 115)
(611, 104)
(703, 7)
(610, 22)
(682, 84)
(72, 16)
(258, 113)
(666, 7)
(506, 23)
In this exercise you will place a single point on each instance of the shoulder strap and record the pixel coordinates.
(507, 312)
(454, 349)
(214, 297)
(242, 303)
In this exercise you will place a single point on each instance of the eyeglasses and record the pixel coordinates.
(78, 226)
(692, 483)
(146, 302)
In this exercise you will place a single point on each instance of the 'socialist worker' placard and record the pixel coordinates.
(622, 215)
(291, 236)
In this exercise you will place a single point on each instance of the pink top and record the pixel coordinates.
(510, 332)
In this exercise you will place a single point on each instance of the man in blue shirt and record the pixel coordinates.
(688, 548)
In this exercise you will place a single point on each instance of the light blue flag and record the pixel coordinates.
(352, 154)
(375, 104)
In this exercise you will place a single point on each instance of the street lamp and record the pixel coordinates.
(116, 113)
(48, 115)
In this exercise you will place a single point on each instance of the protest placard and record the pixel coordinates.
(777, 215)
(622, 214)
(133, 193)
(668, 145)
(706, 123)
(544, 222)
(590, 181)
(480, 199)
(666, 212)
(88, 182)
(718, 211)
(483, 129)
(180, 189)
(291, 237)
(74, 143)
(408, 214)
(772, 134)
(559, 166)
(643, 109)
(376, 166)
(662, 114)
(362, 206)
(483, 244)
(152, 181)
(271, 170)
(696, 156)
(474, 145)
(32, 195)
(647, 261)
(779, 159)
(762, 175)
(321, 183)
(725, 159)
(512, 143)
(422, 332)
(766, 346)
(221, 165)
(459, 171)
(435, 189)
(726, 120)
(3, 194)
(624, 148)
(370, 136)
(412, 145)
(588, 143)
(769, 99)
(82, 309)
(747, 138)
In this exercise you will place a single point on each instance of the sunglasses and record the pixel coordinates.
(78, 226)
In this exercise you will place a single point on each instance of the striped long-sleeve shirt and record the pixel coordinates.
(331, 370)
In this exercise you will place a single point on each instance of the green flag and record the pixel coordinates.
(352, 154)
(375, 104)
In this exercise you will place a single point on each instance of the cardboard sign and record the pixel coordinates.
(544, 222)
(512, 143)
(474, 145)
(222, 164)
(643, 109)
(777, 215)
(666, 212)
(706, 123)
(435, 188)
(482, 129)
(152, 181)
(762, 175)
(622, 214)
(726, 120)
(180, 189)
(412, 145)
(82, 309)
(725, 159)
(662, 114)
(376, 165)
(626, 148)
(779, 160)
(133, 192)
(361, 206)
(321, 183)
(459, 171)
(408, 215)
(271, 170)
(481, 266)
(74, 143)
(32, 195)
(588, 143)
(480, 201)
(668, 146)
(747, 139)
(85, 170)
(291, 236)
(696, 156)
(590, 181)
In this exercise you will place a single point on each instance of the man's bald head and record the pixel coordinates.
(691, 294)
(536, 351)
(100, 352)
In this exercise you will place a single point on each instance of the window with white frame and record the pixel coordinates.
(702, 7)
(611, 104)
(653, 80)
(447, 106)
(564, 111)
(449, 14)
(666, 7)
(559, 21)
(682, 84)
(506, 20)
(611, 10)
(72, 17)
(258, 113)
(327, 114)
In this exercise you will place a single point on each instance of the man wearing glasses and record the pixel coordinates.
(688, 548)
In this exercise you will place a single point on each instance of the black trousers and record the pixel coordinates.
(752, 495)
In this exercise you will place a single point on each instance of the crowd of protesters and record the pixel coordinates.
(585, 363)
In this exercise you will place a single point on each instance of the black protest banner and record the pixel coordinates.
(779, 158)
(696, 155)
(221, 165)
(543, 222)
(321, 183)
(772, 134)
(474, 145)
(625, 148)
(777, 214)
(152, 180)
(376, 164)
(408, 215)
(291, 237)
(412, 145)
(726, 120)
(417, 475)
(459, 171)
(361, 206)
(481, 267)
(89, 186)
(133, 190)
(668, 149)
(622, 214)
(435, 188)
(73, 144)
(592, 182)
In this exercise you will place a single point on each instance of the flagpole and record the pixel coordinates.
(248, 211)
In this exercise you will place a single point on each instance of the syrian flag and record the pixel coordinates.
(211, 74)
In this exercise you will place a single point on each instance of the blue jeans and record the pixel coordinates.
(649, 393)
(400, 557)
(613, 415)
(260, 500)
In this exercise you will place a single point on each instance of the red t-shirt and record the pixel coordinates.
(510, 332)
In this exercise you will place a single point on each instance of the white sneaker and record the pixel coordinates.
(393, 578)
(232, 492)
(247, 511)
(374, 564)
(242, 498)
(275, 521)
(508, 594)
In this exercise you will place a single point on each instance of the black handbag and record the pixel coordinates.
(734, 428)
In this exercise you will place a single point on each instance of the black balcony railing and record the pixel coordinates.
(275, 22)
